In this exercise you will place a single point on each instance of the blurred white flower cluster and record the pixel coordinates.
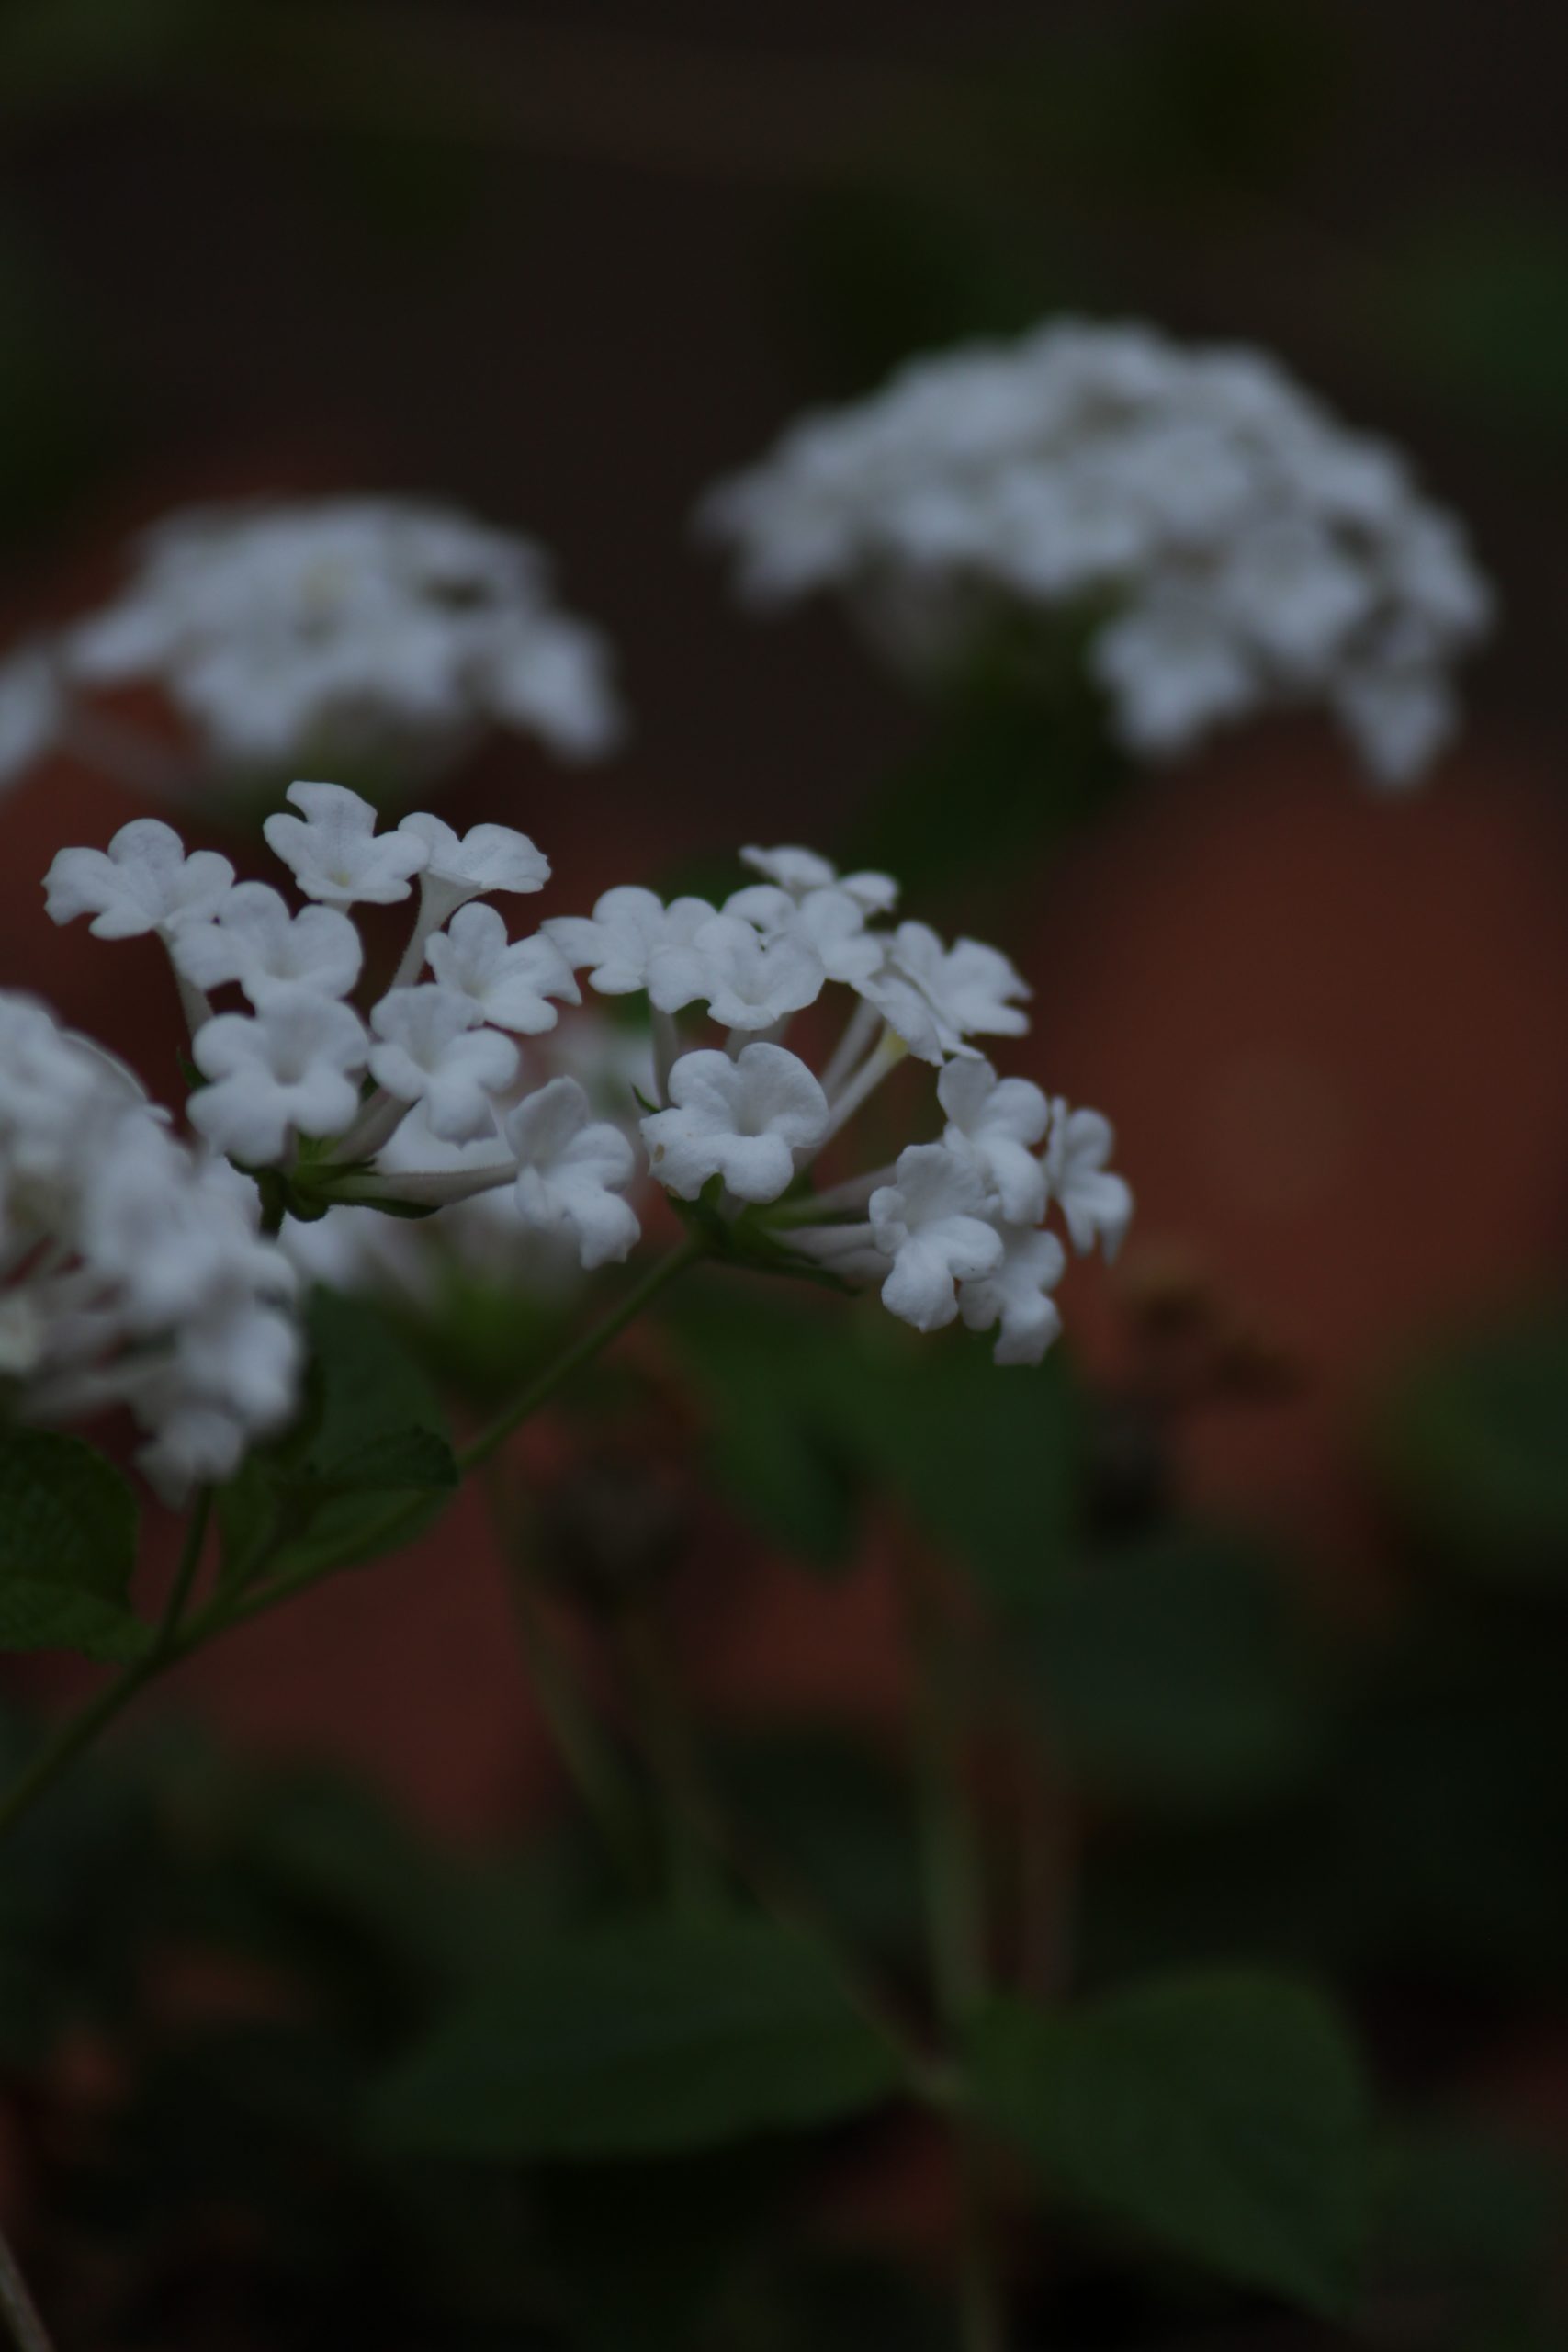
(1237, 545)
(421, 1104)
(365, 628)
(132, 1269)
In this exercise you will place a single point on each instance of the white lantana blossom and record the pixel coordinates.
(429, 1049)
(387, 630)
(253, 938)
(334, 852)
(1233, 545)
(427, 1101)
(571, 1171)
(143, 882)
(742, 1120)
(132, 1269)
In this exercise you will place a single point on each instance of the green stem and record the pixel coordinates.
(24, 2326)
(587, 1756)
(667, 1741)
(79, 1733)
(178, 1637)
(955, 1928)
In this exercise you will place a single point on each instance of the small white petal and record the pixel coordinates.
(743, 1120)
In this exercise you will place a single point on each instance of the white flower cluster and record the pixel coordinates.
(361, 628)
(132, 1271)
(1237, 544)
(419, 1103)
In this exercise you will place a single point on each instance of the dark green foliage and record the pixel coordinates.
(67, 1549)
(656, 2037)
(1223, 2115)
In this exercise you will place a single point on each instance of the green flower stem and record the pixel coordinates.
(956, 1928)
(785, 1899)
(25, 2329)
(590, 1761)
(667, 1740)
(81, 1730)
(178, 1637)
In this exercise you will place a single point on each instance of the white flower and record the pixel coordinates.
(485, 858)
(253, 938)
(932, 1222)
(132, 1271)
(830, 921)
(801, 871)
(1094, 1203)
(366, 628)
(1015, 1296)
(997, 1121)
(509, 982)
(334, 852)
(743, 1120)
(143, 882)
(750, 982)
(935, 996)
(634, 941)
(31, 709)
(288, 1068)
(431, 1052)
(572, 1169)
(1245, 548)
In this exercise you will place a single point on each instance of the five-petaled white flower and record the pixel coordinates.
(334, 852)
(800, 871)
(511, 982)
(936, 995)
(144, 881)
(932, 1222)
(430, 1050)
(1015, 1296)
(750, 982)
(996, 1121)
(632, 940)
(743, 1120)
(254, 939)
(572, 1169)
(828, 921)
(470, 866)
(287, 1069)
(1094, 1202)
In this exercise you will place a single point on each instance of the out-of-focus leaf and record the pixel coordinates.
(987, 1463)
(840, 1821)
(1475, 1446)
(776, 1451)
(664, 2036)
(67, 1549)
(1176, 1672)
(1222, 2114)
(373, 1432)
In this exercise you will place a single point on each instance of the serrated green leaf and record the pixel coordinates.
(67, 1549)
(1222, 2114)
(664, 2036)
(376, 1423)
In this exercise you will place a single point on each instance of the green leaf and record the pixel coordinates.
(1178, 1673)
(664, 2036)
(762, 1375)
(985, 1462)
(1474, 1445)
(376, 1424)
(67, 1549)
(373, 1430)
(1221, 2114)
